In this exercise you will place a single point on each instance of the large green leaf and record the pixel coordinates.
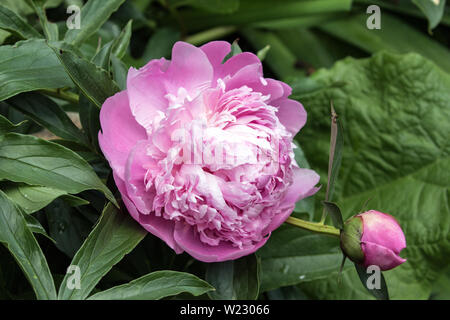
(293, 255)
(29, 65)
(13, 23)
(432, 9)
(155, 286)
(235, 279)
(19, 240)
(115, 235)
(6, 125)
(95, 83)
(394, 36)
(47, 114)
(93, 15)
(34, 198)
(34, 161)
(396, 110)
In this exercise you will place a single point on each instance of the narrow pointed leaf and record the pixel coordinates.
(13, 23)
(380, 293)
(335, 213)
(236, 279)
(115, 235)
(155, 286)
(19, 240)
(27, 159)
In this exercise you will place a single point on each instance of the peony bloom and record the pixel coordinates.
(373, 238)
(202, 151)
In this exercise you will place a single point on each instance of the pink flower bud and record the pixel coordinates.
(373, 238)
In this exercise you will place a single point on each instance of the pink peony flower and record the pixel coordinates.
(373, 238)
(202, 152)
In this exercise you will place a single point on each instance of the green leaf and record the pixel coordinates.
(34, 225)
(34, 198)
(122, 42)
(93, 15)
(293, 255)
(19, 240)
(364, 276)
(394, 36)
(432, 9)
(95, 83)
(68, 227)
(34, 161)
(215, 6)
(29, 65)
(155, 286)
(235, 49)
(47, 114)
(6, 125)
(50, 29)
(235, 279)
(335, 214)
(161, 43)
(13, 23)
(396, 109)
(115, 235)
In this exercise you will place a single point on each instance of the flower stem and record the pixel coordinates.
(314, 227)
(208, 35)
(61, 94)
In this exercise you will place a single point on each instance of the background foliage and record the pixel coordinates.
(59, 206)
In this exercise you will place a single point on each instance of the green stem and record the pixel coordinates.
(314, 227)
(211, 34)
(60, 94)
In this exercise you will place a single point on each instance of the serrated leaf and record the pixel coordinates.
(29, 65)
(20, 241)
(235, 279)
(34, 161)
(155, 286)
(115, 235)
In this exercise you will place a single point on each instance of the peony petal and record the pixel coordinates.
(381, 256)
(291, 114)
(302, 187)
(190, 242)
(216, 51)
(120, 131)
(158, 226)
(146, 91)
(384, 230)
(190, 69)
(236, 63)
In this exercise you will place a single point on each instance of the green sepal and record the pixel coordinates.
(351, 239)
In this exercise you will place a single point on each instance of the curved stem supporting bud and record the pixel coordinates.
(314, 227)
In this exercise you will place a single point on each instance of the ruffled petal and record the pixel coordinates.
(158, 226)
(291, 114)
(216, 51)
(190, 242)
(120, 131)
